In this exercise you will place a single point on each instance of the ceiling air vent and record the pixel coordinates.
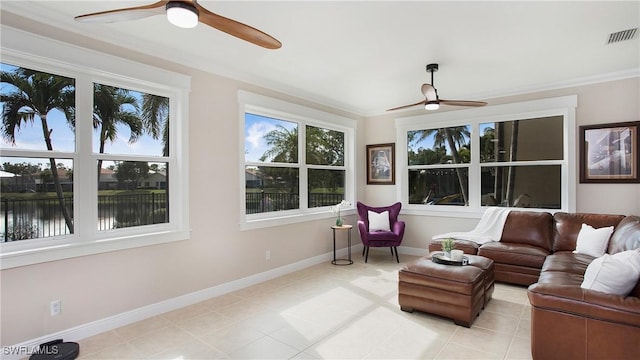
(622, 35)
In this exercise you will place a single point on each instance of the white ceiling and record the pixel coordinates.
(368, 56)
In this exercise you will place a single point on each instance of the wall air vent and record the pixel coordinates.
(622, 35)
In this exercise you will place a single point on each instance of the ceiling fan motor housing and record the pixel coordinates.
(183, 5)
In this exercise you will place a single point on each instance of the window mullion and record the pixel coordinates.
(474, 168)
(569, 167)
(84, 169)
(303, 177)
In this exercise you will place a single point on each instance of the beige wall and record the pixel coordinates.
(104, 285)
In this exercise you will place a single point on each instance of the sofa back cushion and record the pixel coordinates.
(568, 225)
(627, 235)
(528, 227)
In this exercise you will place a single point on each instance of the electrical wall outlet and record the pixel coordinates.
(55, 307)
(268, 255)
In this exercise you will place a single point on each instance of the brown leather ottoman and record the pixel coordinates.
(456, 292)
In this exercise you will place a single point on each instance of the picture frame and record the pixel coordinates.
(381, 168)
(609, 153)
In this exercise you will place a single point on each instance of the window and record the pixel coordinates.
(37, 190)
(297, 162)
(521, 162)
(438, 160)
(515, 155)
(128, 122)
(88, 157)
(272, 171)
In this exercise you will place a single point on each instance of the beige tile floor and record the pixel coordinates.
(322, 312)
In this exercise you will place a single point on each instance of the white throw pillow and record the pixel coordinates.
(613, 274)
(378, 222)
(593, 241)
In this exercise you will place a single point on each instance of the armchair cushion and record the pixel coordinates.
(378, 221)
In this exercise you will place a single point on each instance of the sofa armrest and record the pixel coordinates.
(586, 303)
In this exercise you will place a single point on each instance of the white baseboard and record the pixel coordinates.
(99, 326)
(413, 251)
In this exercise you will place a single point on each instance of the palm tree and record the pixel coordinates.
(503, 193)
(454, 137)
(109, 109)
(155, 115)
(34, 95)
(513, 156)
(283, 145)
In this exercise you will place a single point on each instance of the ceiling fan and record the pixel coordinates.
(187, 14)
(431, 99)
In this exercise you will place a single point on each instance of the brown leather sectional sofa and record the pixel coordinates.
(567, 322)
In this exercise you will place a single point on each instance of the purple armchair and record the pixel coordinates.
(380, 238)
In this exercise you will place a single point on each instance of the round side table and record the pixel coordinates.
(346, 228)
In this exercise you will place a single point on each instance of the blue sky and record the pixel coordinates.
(255, 128)
(30, 136)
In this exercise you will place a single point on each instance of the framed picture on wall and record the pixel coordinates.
(609, 153)
(381, 164)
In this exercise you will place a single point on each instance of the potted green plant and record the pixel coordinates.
(447, 246)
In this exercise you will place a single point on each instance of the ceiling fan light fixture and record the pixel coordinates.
(182, 14)
(432, 105)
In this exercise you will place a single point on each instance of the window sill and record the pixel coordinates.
(23, 257)
(461, 211)
(259, 223)
(444, 211)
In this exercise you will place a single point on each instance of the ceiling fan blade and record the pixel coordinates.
(237, 29)
(124, 14)
(429, 92)
(462, 103)
(421, 102)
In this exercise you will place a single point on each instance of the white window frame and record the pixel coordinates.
(87, 67)
(278, 109)
(558, 106)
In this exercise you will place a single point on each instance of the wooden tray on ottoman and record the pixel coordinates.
(439, 258)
